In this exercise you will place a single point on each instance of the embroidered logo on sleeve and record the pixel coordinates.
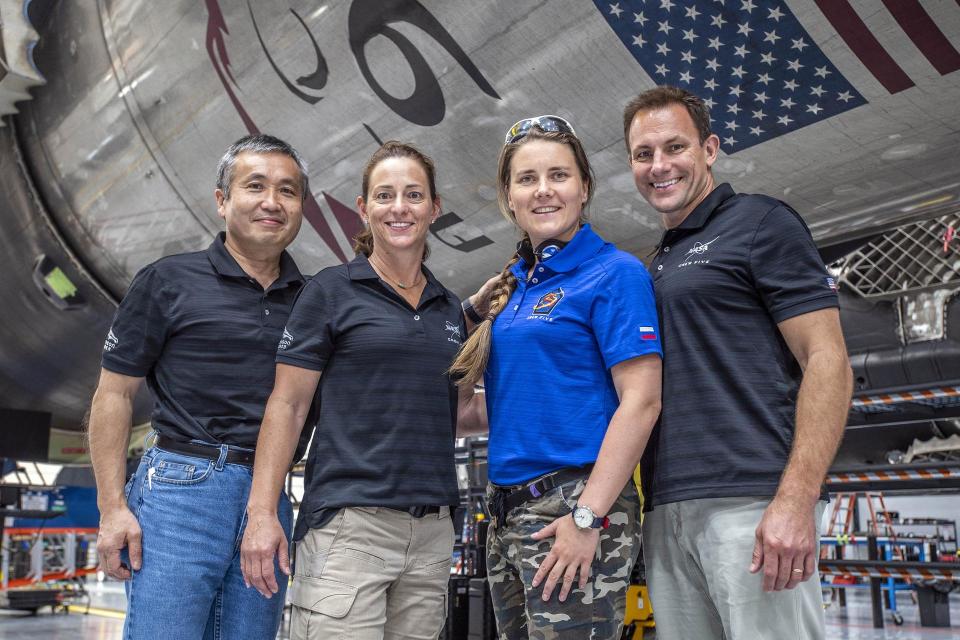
(285, 341)
(547, 303)
(111, 342)
(831, 283)
(648, 333)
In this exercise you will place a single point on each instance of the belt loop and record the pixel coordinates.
(224, 449)
(150, 440)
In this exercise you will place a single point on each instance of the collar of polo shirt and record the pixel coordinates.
(581, 247)
(226, 265)
(703, 211)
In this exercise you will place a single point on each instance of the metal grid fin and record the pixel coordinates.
(906, 259)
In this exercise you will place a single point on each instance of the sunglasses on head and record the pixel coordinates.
(554, 124)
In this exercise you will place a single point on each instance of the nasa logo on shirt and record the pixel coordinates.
(696, 254)
(454, 336)
(547, 303)
(111, 342)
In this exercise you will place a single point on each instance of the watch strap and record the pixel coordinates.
(471, 312)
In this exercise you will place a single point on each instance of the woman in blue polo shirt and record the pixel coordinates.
(566, 342)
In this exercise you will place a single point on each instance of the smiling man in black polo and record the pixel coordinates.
(202, 328)
(756, 386)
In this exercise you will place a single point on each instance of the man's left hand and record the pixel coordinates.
(786, 544)
(573, 550)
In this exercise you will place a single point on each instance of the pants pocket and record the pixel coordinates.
(322, 595)
(174, 469)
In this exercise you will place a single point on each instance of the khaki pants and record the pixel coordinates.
(373, 573)
(697, 555)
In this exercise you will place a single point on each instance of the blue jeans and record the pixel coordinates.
(192, 512)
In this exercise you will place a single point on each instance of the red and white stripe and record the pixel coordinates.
(841, 569)
(906, 396)
(906, 474)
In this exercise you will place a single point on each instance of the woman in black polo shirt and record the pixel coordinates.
(374, 536)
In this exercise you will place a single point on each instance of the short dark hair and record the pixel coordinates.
(664, 96)
(259, 143)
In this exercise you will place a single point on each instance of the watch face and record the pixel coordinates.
(582, 517)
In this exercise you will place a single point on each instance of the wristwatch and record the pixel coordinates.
(471, 311)
(585, 518)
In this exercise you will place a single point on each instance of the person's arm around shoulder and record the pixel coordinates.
(785, 547)
(283, 421)
(111, 419)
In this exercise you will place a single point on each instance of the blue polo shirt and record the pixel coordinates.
(550, 395)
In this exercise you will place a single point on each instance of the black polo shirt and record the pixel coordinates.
(387, 417)
(204, 334)
(734, 268)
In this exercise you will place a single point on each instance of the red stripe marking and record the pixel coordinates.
(921, 28)
(346, 217)
(864, 45)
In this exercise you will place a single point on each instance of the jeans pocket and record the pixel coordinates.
(176, 469)
(322, 595)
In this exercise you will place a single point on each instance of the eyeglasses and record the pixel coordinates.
(554, 124)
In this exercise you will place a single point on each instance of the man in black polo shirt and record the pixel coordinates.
(756, 386)
(202, 328)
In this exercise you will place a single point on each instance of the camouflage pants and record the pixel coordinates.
(513, 558)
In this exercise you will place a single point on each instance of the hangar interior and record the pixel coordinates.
(115, 112)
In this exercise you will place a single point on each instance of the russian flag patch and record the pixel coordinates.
(648, 333)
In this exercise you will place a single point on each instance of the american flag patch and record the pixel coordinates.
(648, 333)
(832, 284)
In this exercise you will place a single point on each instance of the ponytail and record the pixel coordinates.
(363, 242)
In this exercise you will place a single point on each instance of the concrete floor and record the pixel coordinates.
(852, 623)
